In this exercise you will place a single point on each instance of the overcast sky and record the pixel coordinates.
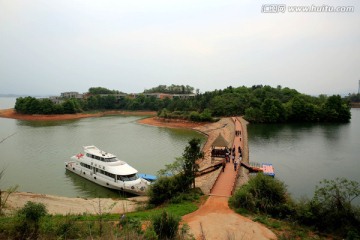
(53, 46)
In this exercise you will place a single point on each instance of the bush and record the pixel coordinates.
(263, 194)
(28, 219)
(166, 225)
(166, 188)
(331, 208)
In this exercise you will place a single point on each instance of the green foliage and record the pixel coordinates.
(258, 103)
(101, 90)
(27, 225)
(166, 188)
(263, 194)
(31, 105)
(185, 169)
(165, 225)
(173, 89)
(33, 211)
(331, 208)
(191, 154)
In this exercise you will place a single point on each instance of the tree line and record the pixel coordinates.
(173, 89)
(263, 104)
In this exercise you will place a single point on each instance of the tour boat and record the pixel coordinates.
(107, 170)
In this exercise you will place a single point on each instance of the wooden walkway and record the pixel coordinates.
(225, 184)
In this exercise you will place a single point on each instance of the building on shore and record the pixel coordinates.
(66, 95)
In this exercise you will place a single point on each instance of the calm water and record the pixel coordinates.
(34, 157)
(304, 154)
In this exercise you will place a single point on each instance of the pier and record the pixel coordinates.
(226, 182)
(214, 218)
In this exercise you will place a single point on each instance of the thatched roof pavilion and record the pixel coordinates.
(220, 142)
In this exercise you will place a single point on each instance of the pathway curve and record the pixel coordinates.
(214, 219)
(225, 183)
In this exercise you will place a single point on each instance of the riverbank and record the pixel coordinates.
(205, 182)
(230, 221)
(11, 113)
(65, 205)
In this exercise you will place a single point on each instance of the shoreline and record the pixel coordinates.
(205, 182)
(11, 113)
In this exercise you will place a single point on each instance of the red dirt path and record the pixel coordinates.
(214, 219)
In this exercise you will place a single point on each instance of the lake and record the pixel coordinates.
(302, 154)
(34, 156)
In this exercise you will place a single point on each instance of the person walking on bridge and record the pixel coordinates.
(236, 162)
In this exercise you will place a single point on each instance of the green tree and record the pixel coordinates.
(69, 106)
(46, 107)
(336, 110)
(272, 111)
(101, 90)
(334, 201)
(29, 220)
(191, 154)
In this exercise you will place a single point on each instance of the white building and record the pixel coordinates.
(71, 95)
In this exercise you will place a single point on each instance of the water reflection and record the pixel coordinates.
(40, 124)
(38, 150)
(304, 154)
(296, 130)
(90, 189)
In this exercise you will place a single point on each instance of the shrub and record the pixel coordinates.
(331, 207)
(166, 188)
(263, 194)
(165, 225)
(29, 216)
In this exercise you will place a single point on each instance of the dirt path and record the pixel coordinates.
(214, 219)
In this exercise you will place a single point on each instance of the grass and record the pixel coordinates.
(285, 230)
(86, 225)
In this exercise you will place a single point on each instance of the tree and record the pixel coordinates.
(335, 199)
(336, 110)
(191, 154)
(29, 220)
(101, 90)
(331, 209)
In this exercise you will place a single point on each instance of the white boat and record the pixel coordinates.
(107, 170)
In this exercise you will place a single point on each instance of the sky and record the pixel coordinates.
(53, 46)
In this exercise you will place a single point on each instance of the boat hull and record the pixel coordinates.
(136, 187)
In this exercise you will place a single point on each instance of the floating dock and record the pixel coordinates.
(265, 168)
(150, 178)
(268, 169)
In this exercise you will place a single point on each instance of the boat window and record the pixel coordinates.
(106, 173)
(85, 165)
(111, 159)
(131, 177)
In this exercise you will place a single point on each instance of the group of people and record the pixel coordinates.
(230, 154)
(218, 152)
